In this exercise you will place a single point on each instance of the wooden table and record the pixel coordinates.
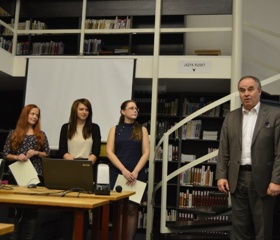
(76, 204)
(6, 228)
(119, 201)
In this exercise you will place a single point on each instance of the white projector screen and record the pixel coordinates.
(54, 83)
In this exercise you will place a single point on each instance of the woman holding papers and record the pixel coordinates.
(79, 139)
(26, 142)
(128, 150)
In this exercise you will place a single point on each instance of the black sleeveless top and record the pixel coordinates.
(128, 151)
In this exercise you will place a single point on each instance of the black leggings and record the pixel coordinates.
(25, 221)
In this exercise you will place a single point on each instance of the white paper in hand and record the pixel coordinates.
(138, 188)
(24, 173)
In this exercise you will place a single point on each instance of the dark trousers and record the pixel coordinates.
(252, 215)
(25, 221)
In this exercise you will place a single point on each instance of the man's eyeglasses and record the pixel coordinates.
(133, 108)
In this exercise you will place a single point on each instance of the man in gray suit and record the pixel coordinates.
(249, 162)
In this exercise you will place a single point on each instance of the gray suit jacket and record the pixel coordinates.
(265, 149)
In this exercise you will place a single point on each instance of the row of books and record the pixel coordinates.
(38, 48)
(6, 44)
(190, 217)
(173, 151)
(191, 107)
(171, 215)
(185, 216)
(27, 25)
(48, 48)
(117, 23)
(213, 159)
(210, 135)
(165, 107)
(192, 130)
(142, 219)
(201, 198)
(185, 158)
(92, 46)
(197, 176)
(162, 127)
(22, 48)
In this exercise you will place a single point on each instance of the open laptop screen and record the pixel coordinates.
(74, 175)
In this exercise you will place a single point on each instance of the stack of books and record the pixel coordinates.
(210, 135)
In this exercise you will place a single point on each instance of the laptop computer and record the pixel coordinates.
(72, 175)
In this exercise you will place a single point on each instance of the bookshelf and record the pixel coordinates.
(140, 37)
(69, 18)
(193, 188)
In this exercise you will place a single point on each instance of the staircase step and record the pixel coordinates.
(222, 235)
(211, 211)
(201, 223)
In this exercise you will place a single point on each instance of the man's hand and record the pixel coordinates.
(273, 189)
(223, 185)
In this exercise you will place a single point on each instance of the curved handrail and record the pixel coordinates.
(165, 139)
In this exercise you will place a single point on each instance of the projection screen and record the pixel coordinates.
(54, 83)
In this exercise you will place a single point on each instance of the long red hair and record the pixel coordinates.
(22, 127)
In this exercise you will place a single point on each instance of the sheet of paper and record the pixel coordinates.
(138, 188)
(24, 173)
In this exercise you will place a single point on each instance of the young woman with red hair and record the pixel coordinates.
(27, 141)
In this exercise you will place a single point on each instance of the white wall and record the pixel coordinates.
(261, 51)
(208, 40)
(261, 48)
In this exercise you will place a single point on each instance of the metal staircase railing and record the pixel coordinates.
(165, 141)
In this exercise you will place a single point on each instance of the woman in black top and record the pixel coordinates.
(128, 150)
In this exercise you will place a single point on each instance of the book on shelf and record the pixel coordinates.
(208, 52)
(174, 107)
(92, 46)
(121, 50)
(191, 107)
(185, 216)
(201, 198)
(213, 159)
(170, 152)
(48, 48)
(27, 25)
(210, 135)
(196, 176)
(187, 157)
(171, 215)
(6, 44)
(192, 130)
(117, 23)
(142, 219)
(22, 48)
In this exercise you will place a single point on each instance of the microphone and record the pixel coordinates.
(119, 188)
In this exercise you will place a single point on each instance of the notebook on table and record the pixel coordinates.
(72, 175)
